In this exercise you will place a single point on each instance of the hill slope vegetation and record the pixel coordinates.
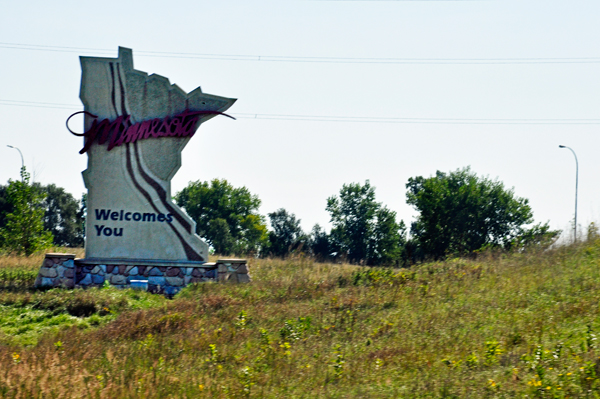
(502, 325)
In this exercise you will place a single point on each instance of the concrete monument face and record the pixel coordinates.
(136, 126)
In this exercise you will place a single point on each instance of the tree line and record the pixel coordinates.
(459, 213)
(34, 217)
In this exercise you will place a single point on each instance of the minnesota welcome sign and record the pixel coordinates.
(136, 126)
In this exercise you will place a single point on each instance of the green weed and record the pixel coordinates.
(506, 325)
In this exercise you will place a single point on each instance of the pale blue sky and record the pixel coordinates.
(298, 164)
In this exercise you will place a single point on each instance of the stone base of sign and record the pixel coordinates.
(63, 270)
(58, 270)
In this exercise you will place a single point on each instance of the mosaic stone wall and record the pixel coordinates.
(63, 270)
(57, 270)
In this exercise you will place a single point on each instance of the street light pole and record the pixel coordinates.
(576, 185)
(22, 162)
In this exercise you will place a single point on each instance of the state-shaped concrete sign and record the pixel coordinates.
(136, 126)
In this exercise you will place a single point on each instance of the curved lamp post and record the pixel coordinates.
(21, 154)
(576, 184)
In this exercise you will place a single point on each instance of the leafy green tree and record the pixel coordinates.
(287, 235)
(5, 205)
(364, 231)
(226, 217)
(83, 212)
(64, 216)
(319, 243)
(460, 212)
(24, 231)
(389, 238)
(5, 208)
(539, 236)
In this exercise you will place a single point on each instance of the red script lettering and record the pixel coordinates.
(122, 131)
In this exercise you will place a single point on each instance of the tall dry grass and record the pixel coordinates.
(33, 262)
(502, 325)
(20, 272)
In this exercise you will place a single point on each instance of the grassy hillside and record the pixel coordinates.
(520, 325)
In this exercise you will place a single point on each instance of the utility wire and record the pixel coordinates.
(302, 59)
(436, 121)
(374, 1)
(355, 119)
(39, 104)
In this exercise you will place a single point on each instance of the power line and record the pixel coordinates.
(303, 59)
(462, 121)
(373, 1)
(357, 119)
(39, 104)
(437, 121)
